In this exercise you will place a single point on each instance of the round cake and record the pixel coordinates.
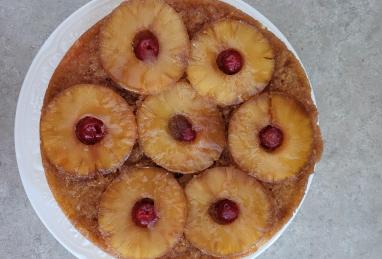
(179, 129)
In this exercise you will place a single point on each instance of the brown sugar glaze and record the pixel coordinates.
(79, 199)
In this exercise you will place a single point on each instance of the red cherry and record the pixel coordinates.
(146, 46)
(144, 214)
(181, 128)
(90, 130)
(224, 211)
(271, 137)
(229, 61)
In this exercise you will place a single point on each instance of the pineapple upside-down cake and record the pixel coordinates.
(179, 129)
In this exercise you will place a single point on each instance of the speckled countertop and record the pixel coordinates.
(340, 44)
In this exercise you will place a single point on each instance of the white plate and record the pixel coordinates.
(27, 138)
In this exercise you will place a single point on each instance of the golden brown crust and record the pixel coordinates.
(79, 198)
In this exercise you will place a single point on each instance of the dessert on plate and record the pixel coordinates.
(179, 129)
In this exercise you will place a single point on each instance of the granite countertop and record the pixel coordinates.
(340, 44)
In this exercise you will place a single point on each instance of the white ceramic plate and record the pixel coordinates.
(27, 138)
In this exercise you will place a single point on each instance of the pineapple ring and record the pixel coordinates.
(240, 236)
(291, 156)
(121, 234)
(205, 75)
(58, 135)
(157, 142)
(117, 51)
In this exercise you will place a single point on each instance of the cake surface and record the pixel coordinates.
(80, 198)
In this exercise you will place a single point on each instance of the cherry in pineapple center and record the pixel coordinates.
(146, 46)
(144, 214)
(90, 130)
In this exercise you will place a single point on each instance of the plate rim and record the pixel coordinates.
(18, 140)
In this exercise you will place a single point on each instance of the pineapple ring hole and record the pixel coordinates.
(143, 213)
(146, 46)
(180, 128)
(90, 130)
(271, 137)
(224, 211)
(230, 61)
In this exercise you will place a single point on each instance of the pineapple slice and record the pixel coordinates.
(142, 213)
(230, 62)
(228, 212)
(144, 46)
(180, 131)
(271, 137)
(87, 128)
